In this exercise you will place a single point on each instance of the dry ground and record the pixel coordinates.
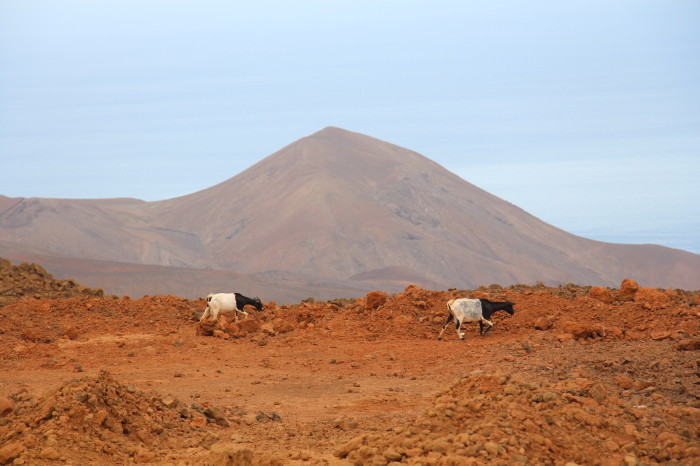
(570, 378)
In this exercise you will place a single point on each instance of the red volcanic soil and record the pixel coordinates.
(575, 376)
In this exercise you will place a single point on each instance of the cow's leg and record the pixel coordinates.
(449, 319)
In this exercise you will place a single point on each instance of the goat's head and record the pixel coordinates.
(509, 308)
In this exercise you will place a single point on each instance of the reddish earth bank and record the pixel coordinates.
(577, 375)
(33, 281)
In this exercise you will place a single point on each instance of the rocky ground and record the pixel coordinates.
(32, 280)
(577, 375)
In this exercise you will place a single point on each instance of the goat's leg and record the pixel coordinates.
(487, 322)
(207, 313)
(449, 319)
(458, 326)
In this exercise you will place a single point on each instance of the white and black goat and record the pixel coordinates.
(221, 303)
(473, 310)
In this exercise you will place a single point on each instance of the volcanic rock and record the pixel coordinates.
(543, 323)
(375, 299)
(601, 294)
(628, 289)
(651, 295)
(584, 330)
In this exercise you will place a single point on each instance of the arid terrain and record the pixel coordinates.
(578, 375)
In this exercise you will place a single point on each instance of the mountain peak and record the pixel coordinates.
(341, 147)
(335, 132)
(343, 137)
(331, 130)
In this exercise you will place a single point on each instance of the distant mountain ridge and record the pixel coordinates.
(341, 208)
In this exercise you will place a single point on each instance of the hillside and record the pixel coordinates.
(137, 280)
(30, 280)
(338, 209)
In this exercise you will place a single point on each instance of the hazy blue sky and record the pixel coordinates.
(584, 113)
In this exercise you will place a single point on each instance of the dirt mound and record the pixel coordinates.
(413, 312)
(497, 419)
(98, 419)
(573, 312)
(33, 281)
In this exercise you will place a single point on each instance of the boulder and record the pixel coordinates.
(584, 330)
(628, 289)
(601, 294)
(625, 382)
(229, 454)
(242, 328)
(375, 299)
(199, 420)
(651, 295)
(206, 328)
(543, 323)
(218, 415)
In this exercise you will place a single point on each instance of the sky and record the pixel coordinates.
(585, 114)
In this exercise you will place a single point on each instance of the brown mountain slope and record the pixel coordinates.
(343, 205)
(108, 229)
(339, 206)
